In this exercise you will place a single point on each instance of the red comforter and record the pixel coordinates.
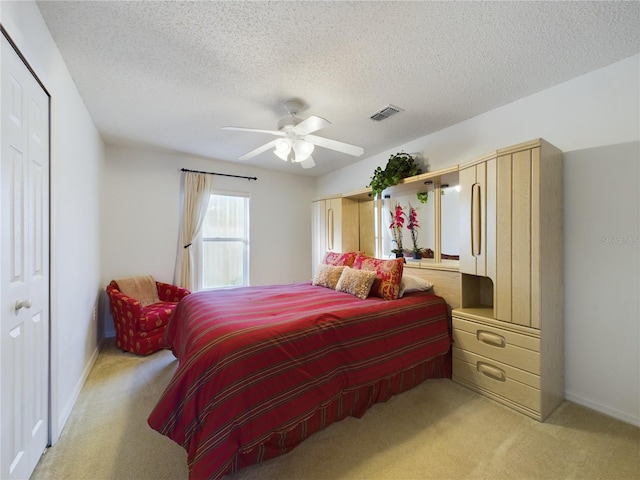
(257, 361)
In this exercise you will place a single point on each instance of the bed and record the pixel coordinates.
(262, 368)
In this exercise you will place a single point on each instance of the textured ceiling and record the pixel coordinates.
(171, 74)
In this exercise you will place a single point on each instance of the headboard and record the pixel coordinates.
(446, 283)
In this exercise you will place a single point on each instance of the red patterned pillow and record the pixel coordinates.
(339, 259)
(388, 275)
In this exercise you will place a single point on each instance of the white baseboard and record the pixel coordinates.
(604, 409)
(66, 411)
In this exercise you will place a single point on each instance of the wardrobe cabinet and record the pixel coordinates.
(508, 333)
(335, 227)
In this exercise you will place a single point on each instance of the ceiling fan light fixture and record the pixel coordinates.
(297, 142)
(302, 149)
(283, 147)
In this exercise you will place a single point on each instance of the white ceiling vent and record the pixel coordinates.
(385, 112)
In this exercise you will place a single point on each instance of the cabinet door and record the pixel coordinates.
(318, 233)
(335, 227)
(514, 237)
(467, 258)
(477, 219)
(348, 220)
(334, 224)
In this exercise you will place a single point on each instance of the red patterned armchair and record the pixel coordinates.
(141, 322)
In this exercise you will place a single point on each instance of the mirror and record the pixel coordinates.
(438, 236)
(450, 228)
(425, 234)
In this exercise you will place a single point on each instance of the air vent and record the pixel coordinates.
(385, 112)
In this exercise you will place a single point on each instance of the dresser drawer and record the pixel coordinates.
(486, 375)
(511, 348)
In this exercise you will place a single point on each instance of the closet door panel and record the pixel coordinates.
(467, 178)
(481, 221)
(521, 240)
(319, 233)
(535, 238)
(334, 224)
(491, 251)
(349, 226)
(502, 288)
(366, 233)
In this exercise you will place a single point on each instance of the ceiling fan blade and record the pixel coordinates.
(259, 150)
(335, 145)
(311, 124)
(256, 130)
(308, 163)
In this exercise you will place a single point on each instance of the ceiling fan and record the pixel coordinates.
(296, 144)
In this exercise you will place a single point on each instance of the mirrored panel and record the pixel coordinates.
(450, 226)
(417, 233)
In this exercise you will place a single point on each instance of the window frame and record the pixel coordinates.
(246, 241)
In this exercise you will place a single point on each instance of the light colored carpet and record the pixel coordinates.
(439, 430)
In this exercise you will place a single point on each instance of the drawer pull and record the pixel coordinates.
(491, 339)
(491, 371)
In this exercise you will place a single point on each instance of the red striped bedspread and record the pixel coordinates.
(257, 360)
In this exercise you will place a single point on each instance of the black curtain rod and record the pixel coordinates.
(221, 174)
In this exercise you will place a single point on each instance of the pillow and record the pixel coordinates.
(356, 282)
(388, 275)
(409, 284)
(339, 259)
(327, 276)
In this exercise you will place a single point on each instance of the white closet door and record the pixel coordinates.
(24, 257)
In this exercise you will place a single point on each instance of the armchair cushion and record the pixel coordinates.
(156, 315)
(171, 293)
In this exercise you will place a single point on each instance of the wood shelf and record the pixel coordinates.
(415, 184)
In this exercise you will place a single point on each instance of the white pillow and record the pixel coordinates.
(409, 284)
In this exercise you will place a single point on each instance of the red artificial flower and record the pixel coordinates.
(397, 218)
(397, 222)
(413, 219)
(413, 227)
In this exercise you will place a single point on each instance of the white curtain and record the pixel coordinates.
(198, 187)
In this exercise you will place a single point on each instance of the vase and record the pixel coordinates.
(399, 254)
(417, 255)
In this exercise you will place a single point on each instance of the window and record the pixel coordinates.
(224, 249)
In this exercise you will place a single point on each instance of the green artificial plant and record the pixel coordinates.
(401, 165)
(423, 197)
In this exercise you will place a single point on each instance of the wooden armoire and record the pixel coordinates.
(508, 333)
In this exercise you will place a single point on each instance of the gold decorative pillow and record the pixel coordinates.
(328, 276)
(356, 282)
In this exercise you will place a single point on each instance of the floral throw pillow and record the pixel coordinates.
(388, 275)
(356, 282)
(339, 259)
